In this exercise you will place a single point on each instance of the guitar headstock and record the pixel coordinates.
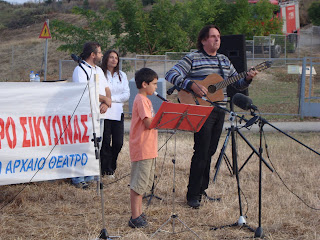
(263, 65)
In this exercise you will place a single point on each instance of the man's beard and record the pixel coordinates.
(98, 61)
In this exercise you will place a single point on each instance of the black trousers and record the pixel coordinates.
(205, 145)
(111, 145)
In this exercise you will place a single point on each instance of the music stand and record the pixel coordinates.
(183, 117)
(178, 116)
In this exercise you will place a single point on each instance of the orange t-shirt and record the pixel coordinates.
(143, 142)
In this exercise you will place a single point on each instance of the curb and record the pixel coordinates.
(283, 126)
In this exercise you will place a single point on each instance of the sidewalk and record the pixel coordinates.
(283, 126)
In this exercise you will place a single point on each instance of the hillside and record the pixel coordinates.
(22, 51)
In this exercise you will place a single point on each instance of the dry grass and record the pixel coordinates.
(21, 50)
(57, 210)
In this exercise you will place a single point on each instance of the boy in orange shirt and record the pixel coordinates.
(143, 144)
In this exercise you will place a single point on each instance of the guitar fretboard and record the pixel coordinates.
(229, 81)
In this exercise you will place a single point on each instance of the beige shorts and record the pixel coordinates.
(142, 175)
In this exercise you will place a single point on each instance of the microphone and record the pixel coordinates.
(171, 90)
(159, 96)
(243, 102)
(79, 60)
(251, 121)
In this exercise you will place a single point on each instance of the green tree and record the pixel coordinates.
(164, 26)
(314, 13)
(132, 30)
(250, 19)
(263, 20)
(165, 32)
(73, 37)
(198, 13)
(235, 18)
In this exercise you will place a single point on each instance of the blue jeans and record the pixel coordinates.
(86, 179)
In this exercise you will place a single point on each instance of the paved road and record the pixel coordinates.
(283, 126)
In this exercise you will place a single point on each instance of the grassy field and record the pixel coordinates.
(57, 210)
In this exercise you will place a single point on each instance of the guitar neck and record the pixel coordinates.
(230, 80)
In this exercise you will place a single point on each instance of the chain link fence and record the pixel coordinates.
(309, 41)
(276, 90)
(304, 44)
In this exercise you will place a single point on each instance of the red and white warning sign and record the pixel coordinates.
(45, 32)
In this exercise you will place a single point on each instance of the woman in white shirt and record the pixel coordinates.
(113, 123)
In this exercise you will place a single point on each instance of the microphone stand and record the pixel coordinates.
(232, 130)
(103, 233)
(241, 221)
(259, 231)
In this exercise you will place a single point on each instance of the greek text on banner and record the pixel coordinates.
(33, 117)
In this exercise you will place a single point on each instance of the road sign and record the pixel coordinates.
(45, 32)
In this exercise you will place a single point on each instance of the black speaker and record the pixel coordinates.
(234, 47)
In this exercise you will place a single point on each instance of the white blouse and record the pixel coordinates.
(120, 93)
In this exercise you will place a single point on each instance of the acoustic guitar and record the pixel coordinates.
(215, 84)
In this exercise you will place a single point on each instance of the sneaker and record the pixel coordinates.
(144, 216)
(138, 222)
(82, 185)
(111, 177)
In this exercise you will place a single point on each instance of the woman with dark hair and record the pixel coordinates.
(113, 124)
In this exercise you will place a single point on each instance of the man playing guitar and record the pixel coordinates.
(197, 66)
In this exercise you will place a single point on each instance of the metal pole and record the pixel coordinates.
(259, 231)
(270, 48)
(302, 87)
(46, 56)
(12, 64)
(285, 49)
(120, 64)
(60, 69)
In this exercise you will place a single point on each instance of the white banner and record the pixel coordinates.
(33, 116)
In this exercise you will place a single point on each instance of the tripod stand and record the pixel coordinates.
(174, 216)
(241, 221)
(152, 195)
(231, 131)
(179, 117)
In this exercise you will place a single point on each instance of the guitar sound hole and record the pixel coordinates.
(212, 89)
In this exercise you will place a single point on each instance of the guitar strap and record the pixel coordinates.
(222, 75)
(192, 93)
(220, 66)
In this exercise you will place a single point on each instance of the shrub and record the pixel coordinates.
(314, 13)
